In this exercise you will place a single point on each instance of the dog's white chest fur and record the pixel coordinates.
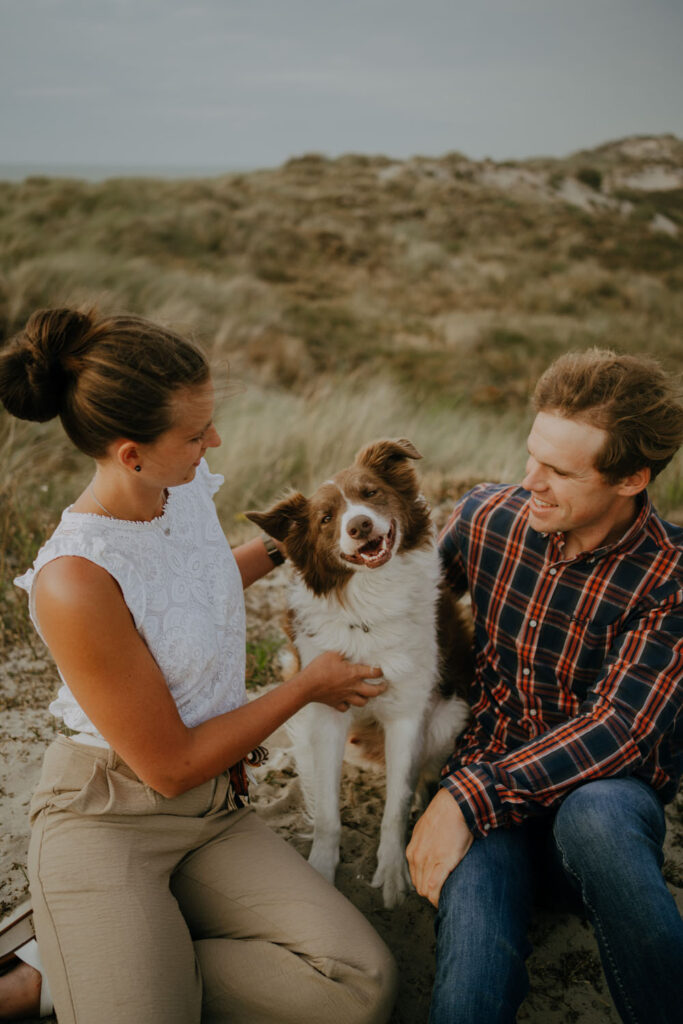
(388, 619)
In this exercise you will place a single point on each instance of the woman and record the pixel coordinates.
(157, 894)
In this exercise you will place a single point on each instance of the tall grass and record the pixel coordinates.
(274, 440)
(41, 474)
(358, 298)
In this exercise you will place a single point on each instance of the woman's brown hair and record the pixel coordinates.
(105, 377)
(632, 398)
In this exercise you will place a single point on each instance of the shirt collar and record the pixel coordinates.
(644, 505)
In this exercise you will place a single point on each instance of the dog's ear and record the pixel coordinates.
(389, 460)
(383, 455)
(278, 520)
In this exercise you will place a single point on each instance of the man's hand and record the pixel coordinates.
(440, 840)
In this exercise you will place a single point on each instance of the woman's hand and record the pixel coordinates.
(331, 679)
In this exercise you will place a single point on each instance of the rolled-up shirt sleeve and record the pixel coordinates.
(632, 708)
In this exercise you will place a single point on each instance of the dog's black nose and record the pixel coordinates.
(358, 527)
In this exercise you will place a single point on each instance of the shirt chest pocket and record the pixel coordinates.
(579, 647)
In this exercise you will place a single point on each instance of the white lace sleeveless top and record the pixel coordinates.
(182, 586)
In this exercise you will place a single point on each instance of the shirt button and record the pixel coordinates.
(486, 827)
(533, 623)
(526, 671)
(533, 712)
(553, 572)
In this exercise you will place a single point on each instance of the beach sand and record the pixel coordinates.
(567, 984)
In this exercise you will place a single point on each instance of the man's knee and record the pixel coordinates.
(596, 823)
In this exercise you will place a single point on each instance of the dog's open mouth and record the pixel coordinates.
(374, 552)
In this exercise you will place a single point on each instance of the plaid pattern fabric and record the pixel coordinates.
(579, 661)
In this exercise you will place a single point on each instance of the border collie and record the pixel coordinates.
(368, 584)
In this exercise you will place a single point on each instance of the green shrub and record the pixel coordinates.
(590, 176)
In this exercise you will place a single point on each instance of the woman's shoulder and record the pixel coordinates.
(72, 575)
(85, 558)
(80, 536)
(77, 586)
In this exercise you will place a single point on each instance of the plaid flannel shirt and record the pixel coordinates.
(579, 661)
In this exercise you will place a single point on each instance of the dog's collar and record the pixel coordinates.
(352, 625)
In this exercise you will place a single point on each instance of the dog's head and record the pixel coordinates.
(357, 521)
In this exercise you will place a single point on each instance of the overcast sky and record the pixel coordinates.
(227, 83)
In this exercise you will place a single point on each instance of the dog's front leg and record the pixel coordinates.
(403, 739)
(320, 733)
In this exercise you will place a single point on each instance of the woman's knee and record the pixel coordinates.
(371, 994)
(364, 994)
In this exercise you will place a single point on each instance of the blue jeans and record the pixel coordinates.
(606, 839)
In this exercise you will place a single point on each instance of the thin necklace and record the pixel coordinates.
(97, 501)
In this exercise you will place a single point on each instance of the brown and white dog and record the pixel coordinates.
(368, 584)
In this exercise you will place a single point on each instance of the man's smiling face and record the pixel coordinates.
(568, 494)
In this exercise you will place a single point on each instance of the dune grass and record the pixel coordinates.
(356, 298)
(274, 440)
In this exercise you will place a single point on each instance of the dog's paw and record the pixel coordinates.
(394, 881)
(324, 862)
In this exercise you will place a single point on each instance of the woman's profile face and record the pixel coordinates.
(175, 456)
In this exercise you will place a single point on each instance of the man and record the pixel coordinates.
(576, 739)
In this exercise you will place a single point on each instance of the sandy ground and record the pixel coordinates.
(566, 979)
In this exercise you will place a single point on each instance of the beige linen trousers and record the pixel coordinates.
(151, 910)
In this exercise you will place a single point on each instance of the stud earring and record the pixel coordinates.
(138, 468)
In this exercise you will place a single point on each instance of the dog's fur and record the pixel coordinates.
(368, 584)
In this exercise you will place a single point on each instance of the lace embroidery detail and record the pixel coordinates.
(183, 590)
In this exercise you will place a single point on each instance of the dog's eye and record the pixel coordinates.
(326, 518)
(369, 493)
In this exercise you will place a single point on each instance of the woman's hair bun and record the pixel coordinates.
(106, 377)
(37, 365)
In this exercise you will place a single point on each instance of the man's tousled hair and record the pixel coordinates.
(632, 398)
